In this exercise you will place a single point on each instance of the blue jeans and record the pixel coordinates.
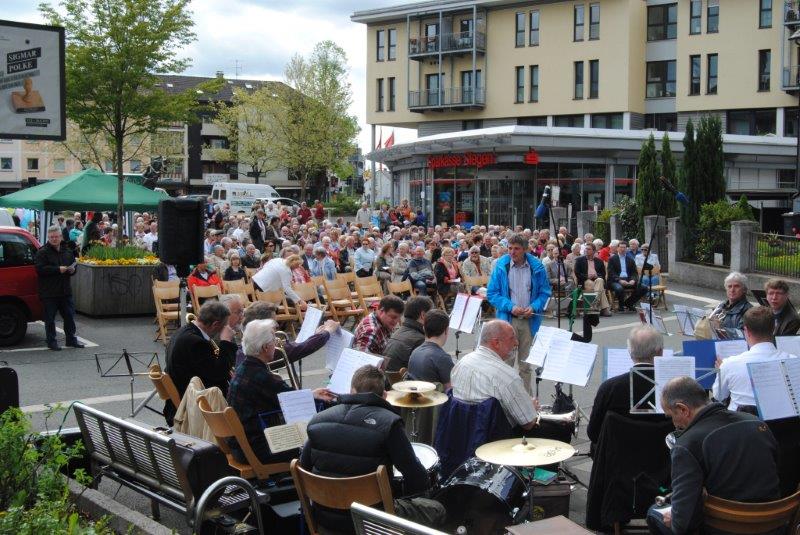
(66, 307)
(421, 286)
(656, 523)
(646, 280)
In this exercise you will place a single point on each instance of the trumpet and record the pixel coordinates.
(280, 339)
(214, 347)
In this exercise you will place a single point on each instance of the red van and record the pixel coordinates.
(19, 297)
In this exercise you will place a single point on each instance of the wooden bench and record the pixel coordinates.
(169, 468)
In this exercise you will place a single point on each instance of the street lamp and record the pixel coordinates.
(795, 37)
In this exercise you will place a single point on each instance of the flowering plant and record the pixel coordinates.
(101, 255)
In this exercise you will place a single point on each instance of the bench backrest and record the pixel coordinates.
(135, 451)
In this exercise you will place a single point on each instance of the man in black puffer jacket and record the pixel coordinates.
(356, 436)
(55, 264)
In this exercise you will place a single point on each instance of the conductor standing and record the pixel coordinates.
(55, 264)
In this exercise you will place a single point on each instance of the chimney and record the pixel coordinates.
(220, 75)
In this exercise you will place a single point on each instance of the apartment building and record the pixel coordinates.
(509, 96)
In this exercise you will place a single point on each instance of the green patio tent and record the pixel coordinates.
(90, 190)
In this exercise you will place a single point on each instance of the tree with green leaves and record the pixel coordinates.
(115, 51)
(318, 132)
(669, 170)
(688, 183)
(250, 124)
(710, 169)
(649, 192)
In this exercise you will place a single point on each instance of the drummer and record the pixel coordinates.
(373, 436)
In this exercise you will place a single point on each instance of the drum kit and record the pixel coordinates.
(490, 491)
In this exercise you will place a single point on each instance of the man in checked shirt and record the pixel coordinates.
(375, 329)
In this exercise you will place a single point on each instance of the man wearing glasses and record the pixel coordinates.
(786, 320)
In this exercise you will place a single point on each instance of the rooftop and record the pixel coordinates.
(400, 11)
(178, 83)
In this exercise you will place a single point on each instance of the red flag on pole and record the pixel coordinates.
(380, 139)
(389, 141)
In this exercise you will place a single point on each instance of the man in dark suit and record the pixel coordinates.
(192, 352)
(614, 395)
(730, 455)
(591, 274)
(623, 275)
(258, 230)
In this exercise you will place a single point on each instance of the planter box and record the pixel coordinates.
(113, 290)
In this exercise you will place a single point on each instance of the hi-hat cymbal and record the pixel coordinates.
(414, 387)
(415, 401)
(525, 452)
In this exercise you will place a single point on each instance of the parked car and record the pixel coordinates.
(19, 297)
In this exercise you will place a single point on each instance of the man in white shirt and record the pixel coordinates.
(152, 237)
(733, 379)
(484, 374)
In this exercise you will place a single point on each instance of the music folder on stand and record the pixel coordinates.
(132, 363)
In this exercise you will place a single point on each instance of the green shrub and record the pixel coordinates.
(34, 496)
(713, 232)
(628, 216)
(344, 205)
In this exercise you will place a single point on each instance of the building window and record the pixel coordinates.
(607, 120)
(534, 74)
(790, 122)
(520, 33)
(662, 22)
(532, 121)
(432, 37)
(594, 21)
(695, 17)
(474, 124)
(578, 79)
(60, 165)
(6, 164)
(764, 59)
(751, 122)
(392, 93)
(785, 178)
(471, 90)
(465, 27)
(533, 38)
(712, 17)
(664, 122)
(711, 80)
(569, 121)
(108, 166)
(33, 164)
(218, 143)
(594, 78)
(392, 55)
(379, 96)
(520, 78)
(432, 85)
(660, 79)
(578, 23)
(765, 14)
(694, 75)
(381, 45)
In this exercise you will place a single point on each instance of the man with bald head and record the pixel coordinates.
(485, 374)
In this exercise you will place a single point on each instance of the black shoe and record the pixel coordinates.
(631, 308)
(76, 344)
(54, 347)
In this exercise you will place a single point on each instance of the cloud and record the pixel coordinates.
(256, 38)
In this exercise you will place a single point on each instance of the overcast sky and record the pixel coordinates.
(261, 35)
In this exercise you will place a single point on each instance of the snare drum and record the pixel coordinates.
(483, 497)
(429, 460)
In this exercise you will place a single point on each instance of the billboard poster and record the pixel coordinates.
(31, 81)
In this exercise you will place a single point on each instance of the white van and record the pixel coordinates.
(241, 197)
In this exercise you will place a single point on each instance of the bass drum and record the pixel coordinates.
(484, 498)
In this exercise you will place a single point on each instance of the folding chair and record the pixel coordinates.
(226, 424)
(740, 517)
(308, 293)
(201, 293)
(285, 313)
(341, 303)
(400, 288)
(369, 294)
(340, 492)
(168, 314)
(239, 288)
(164, 386)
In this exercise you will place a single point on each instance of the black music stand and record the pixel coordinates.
(133, 362)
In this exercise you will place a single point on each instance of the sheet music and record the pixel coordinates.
(457, 314)
(667, 368)
(349, 362)
(569, 362)
(338, 342)
(471, 313)
(297, 406)
(697, 313)
(790, 344)
(792, 369)
(729, 348)
(773, 398)
(285, 437)
(311, 320)
(544, 336)
(660, 326)
(619, 361)
(684, 320)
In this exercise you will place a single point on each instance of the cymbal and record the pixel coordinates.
(415, 401)
(525, 452)
(414, 387)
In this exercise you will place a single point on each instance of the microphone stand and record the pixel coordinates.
(647, 256)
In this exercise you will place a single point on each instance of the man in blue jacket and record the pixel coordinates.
(518, 290)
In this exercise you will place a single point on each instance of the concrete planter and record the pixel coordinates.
(113, 290)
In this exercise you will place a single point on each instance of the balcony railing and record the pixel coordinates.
(791, 12)
(791, 77)
(447, 97)
(450, 42)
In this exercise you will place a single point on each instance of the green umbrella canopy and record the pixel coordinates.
(89, 189)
